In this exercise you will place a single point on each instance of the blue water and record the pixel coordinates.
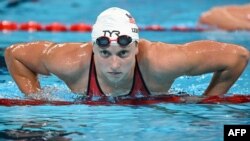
(159, 122)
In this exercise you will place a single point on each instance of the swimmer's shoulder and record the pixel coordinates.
(149, 48)
(67, 55)
(69, 48)
(48, 47)
(145, 46)
(150, 52)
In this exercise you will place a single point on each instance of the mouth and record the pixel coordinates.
(115, 73)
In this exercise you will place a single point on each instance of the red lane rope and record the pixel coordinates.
(32, 26)
(235, 99)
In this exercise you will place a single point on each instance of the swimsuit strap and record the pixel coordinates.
(93, 85)
(139, 87)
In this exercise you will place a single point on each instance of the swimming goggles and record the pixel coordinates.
(122, 40)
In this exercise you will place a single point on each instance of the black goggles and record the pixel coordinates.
(122, 40)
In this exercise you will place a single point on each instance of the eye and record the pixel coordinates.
(123, 53)
(105, 53)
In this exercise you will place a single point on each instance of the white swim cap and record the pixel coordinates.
(115, 22)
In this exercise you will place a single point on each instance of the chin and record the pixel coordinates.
(115, 79)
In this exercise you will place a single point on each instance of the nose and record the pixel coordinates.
(115, 63)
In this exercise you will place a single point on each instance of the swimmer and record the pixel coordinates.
(232, 17)
(118, 63)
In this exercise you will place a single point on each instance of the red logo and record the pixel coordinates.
(131, 19)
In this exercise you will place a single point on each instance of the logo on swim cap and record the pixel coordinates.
(117, 33)
(131, 19)
(135, 30)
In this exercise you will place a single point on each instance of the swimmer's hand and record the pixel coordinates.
(45, 94)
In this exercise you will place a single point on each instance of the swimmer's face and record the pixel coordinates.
(115, 63)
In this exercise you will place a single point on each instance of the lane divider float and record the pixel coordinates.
(32, 26)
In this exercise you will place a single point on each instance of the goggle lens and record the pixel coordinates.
(124, 40)
(103, 41)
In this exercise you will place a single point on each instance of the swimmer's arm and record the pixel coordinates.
(222, 18)
(227, 61)
(24, 62)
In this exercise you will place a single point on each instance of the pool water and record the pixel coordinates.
(158, 122)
